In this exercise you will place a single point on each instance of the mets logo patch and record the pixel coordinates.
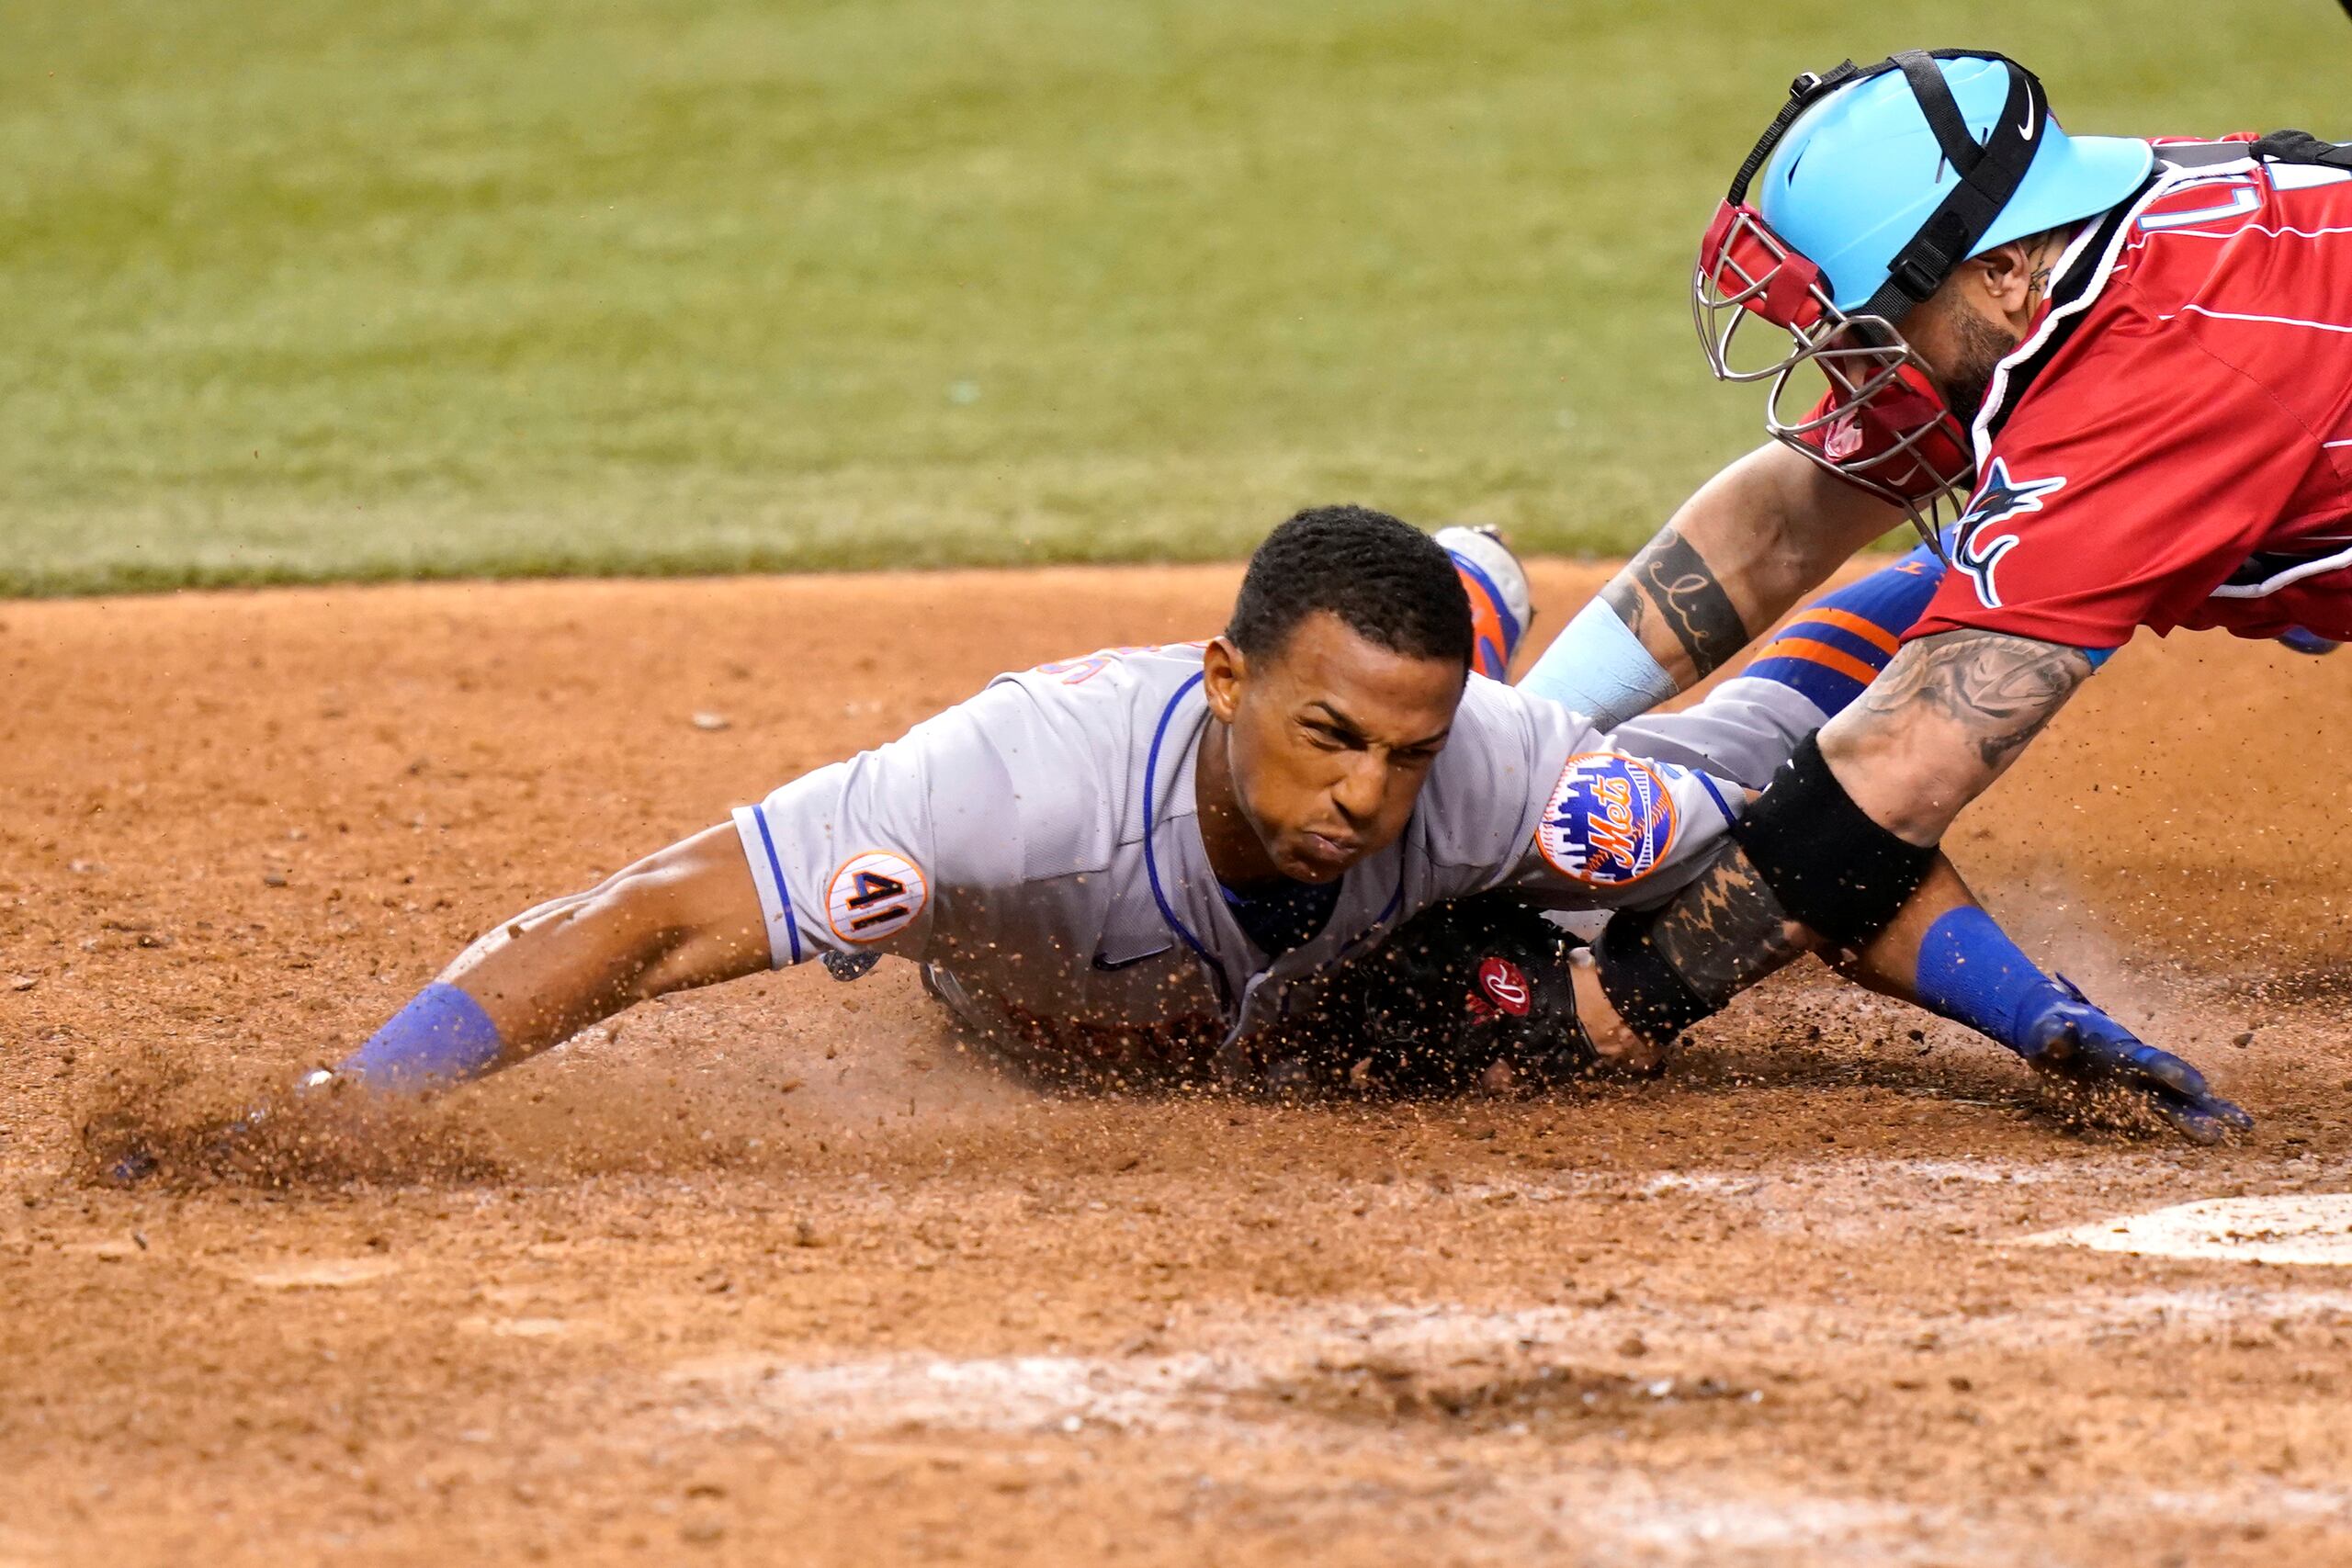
(874, 896)
(1609, 820)
(1977, 549)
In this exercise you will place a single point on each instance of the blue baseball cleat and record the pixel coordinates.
(1500, 603)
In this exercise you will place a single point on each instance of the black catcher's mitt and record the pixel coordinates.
(1459, 989)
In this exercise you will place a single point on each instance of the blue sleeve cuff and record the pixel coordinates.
(1972, 973)
(442, 1036)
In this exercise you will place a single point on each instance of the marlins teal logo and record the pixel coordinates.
(1976, 548)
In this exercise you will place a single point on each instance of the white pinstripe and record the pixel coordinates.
(2245, 229)
(2266, 320)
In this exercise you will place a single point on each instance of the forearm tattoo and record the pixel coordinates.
(1727, 931)
(2000, 690)
(1672, 576)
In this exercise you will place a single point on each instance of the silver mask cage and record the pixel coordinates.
(1885, 428)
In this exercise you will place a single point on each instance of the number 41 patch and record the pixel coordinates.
(875, 895)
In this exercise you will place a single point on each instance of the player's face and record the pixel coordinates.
(1962, 348)
(1329, 739)
(1978, 318)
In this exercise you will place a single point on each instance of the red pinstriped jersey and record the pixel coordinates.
(2171, 443)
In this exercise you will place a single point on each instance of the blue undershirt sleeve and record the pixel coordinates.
(441, 1037)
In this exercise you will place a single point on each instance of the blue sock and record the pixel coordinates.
(1973, 973)
(441, 1037)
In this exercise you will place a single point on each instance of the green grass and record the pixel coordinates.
(323, 289)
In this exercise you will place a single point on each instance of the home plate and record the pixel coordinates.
(2301, 1228)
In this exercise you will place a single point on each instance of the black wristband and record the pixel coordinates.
(1648, 992)
(1829, 864)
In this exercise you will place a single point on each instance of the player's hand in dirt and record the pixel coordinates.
(1618, 1045)
(2075, 1044)
(314, 1130)
(130, 1151)
(127, 1156)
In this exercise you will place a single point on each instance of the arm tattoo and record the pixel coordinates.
(1726, 931)
(1679, 581)
(2000, 690)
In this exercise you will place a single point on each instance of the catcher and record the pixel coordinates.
(1164, 861)
(2136, 355)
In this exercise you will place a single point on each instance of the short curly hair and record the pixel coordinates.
(1391, 583)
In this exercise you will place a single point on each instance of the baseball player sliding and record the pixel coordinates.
(1188, 853)
(2137, 355)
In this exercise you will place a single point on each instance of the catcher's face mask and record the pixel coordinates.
(1884, 427)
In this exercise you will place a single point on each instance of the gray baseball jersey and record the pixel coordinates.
(1037, 847)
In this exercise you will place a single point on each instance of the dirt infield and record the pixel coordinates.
(775, 1275)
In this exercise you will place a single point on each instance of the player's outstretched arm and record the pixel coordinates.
(1838, 854)
(1735, 558)
(1831, 852)
(687, 916)
(1944, 953)
(684, 917)
(1950, 957)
